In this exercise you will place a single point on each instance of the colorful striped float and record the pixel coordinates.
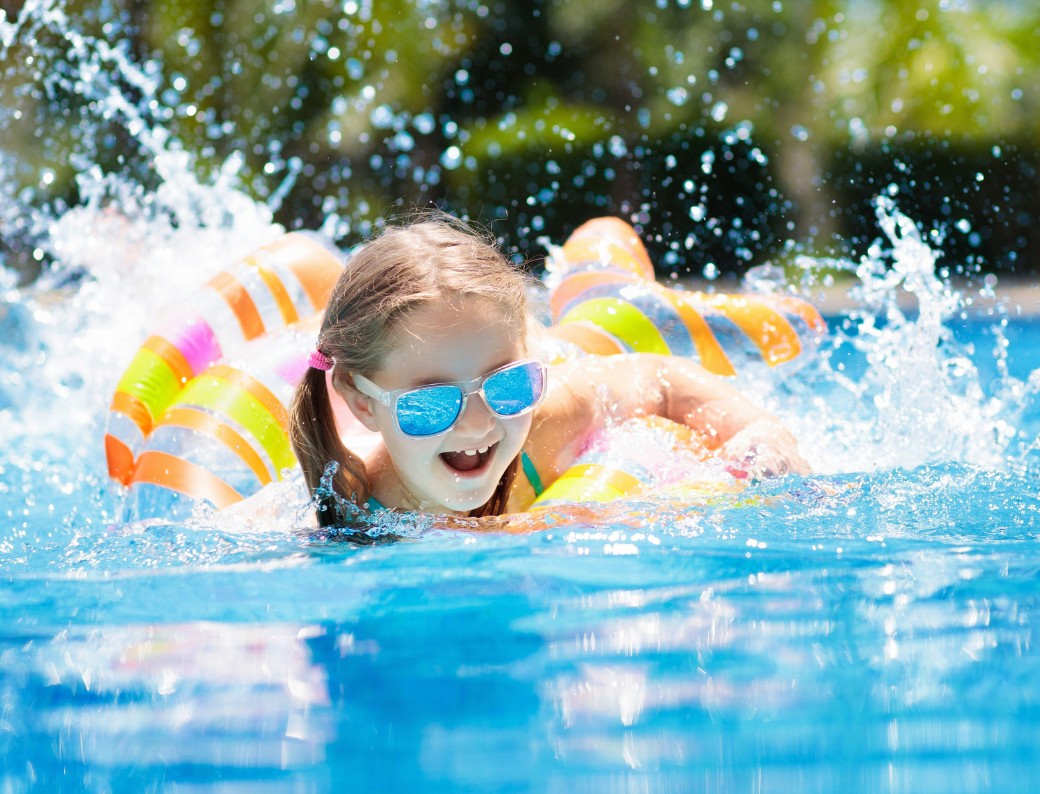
(607, 302)
(201, 412)
(202, 408)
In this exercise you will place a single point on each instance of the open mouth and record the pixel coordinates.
(468, 461)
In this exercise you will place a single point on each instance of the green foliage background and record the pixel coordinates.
(732, 133)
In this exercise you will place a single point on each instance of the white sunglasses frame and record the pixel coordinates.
(468, 387)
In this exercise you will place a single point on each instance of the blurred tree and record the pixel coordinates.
(726, 131)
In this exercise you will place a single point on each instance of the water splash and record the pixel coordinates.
(895, 387)
(140, 230)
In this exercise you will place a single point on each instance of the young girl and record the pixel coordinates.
(429, 343)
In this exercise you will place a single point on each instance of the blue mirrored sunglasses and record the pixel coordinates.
(426, 411)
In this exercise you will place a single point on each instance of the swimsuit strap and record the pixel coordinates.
(374, 505)
(531, 473)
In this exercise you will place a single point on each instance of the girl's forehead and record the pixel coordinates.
(457, 339)
(456, 314)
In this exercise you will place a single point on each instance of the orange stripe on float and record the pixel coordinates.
(161, 468)
(622, 233)
(120, 459)
(603, 252)
(317, 268)
(173, 357)
(768, 329)
(589, 337)
(240, 302)
(254, 387)
(134, 409)
(193, 419)
(712, 355)
(573, 285)
(801, 308)
(276, 288)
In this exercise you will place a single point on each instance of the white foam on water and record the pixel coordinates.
(894, 388)
(119, 258)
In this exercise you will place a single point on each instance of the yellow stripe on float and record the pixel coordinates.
(149, 383)
(590, 482)
(173, 357)
(248, 403)
(623, 320)
(569, 290)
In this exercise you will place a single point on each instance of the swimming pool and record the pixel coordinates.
(868, 628)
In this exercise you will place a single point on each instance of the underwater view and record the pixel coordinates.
(864, 627)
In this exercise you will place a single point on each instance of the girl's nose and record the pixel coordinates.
(476, 419)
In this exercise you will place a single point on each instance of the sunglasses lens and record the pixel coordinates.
(428, 411)
(515, 389)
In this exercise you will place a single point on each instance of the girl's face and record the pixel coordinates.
(453, 341)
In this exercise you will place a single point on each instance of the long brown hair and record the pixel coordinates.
(433, 258)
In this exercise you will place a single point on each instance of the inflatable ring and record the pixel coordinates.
(607, 301)
(202, 410)
(639, 457)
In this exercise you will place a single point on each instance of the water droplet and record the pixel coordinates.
(382, 117)
(707, 161)
(403, 142)
(678, 96)
(424, 123)
(451, 158)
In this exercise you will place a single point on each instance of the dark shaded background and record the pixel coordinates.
(732, 134)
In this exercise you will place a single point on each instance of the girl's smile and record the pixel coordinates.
(468, 462)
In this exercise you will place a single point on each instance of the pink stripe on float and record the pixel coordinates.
(196, 341)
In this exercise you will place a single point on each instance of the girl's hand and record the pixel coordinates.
(763, 449)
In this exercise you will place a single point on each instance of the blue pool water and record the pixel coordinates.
(867, 628)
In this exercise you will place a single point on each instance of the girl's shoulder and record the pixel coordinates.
(559, 429)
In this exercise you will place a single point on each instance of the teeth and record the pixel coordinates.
(471, 452)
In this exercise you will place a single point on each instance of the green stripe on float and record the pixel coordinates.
(623, 320)
(151, 380)
(230, 400)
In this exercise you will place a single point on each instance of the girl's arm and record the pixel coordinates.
(587, 393)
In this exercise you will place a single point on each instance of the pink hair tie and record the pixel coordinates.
(319, 360)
